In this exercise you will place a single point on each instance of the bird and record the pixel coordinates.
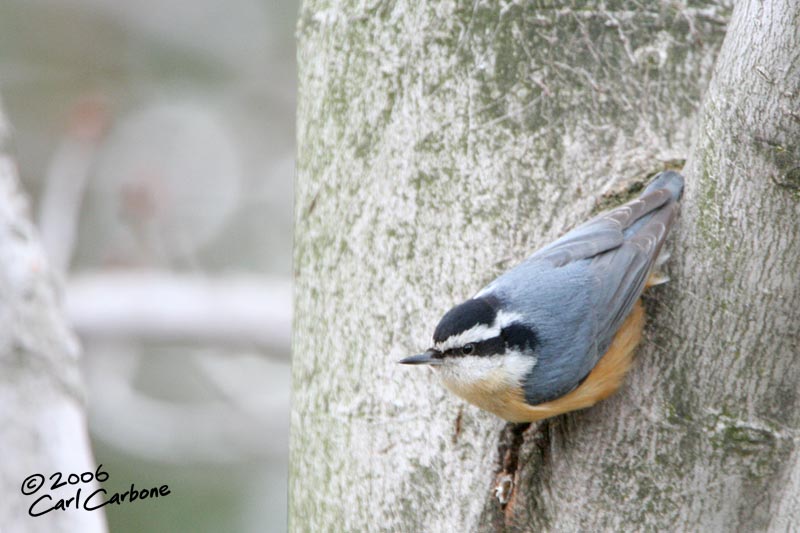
(557, 333)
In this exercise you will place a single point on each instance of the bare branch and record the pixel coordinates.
(159, 306)
(66, 180)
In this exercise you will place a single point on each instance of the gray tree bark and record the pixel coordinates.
(42, 420)
(440, 144)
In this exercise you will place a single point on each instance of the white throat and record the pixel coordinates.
(468, 375)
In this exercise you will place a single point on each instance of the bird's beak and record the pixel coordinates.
(431, 357)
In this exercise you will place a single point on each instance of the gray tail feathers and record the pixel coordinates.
(669, 180)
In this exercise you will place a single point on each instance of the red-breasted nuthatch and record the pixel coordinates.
(557, 332)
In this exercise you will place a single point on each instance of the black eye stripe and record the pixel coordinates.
(489, 347)
(492, 346)
(515, 336)
(520, 337)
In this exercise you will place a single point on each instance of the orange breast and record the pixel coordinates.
(602, 381)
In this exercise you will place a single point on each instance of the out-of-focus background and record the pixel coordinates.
(156, 141)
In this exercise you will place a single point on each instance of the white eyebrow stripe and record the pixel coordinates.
(478, 332)
(504, 319)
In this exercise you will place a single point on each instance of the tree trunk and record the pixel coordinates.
(438, 145)
(705, 436)
(42, 420)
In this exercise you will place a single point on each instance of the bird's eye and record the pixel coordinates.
(468, 348)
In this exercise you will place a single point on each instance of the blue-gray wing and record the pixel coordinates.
(621, 273)
(606, 231)
(614, 254)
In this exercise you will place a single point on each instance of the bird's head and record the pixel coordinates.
(480, 348)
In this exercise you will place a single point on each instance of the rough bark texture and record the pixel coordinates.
(439, 144)
(42, 420)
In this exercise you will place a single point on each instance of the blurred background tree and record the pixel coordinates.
(156, 140)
